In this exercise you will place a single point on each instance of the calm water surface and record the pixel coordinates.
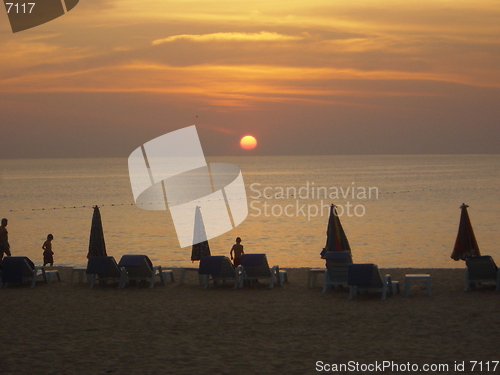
(397, 211)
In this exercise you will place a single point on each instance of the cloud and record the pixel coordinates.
(262, 36)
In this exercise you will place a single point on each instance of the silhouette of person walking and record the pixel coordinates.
(4, 240)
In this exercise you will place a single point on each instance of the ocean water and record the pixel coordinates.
(397, 211)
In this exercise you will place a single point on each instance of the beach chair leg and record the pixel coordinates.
(395, 287)
(467, 282)
(353, 291)
(271, 281)
(166, 275)
(206, 281)
(238, 280)
(162, 279)
(91, 280)
(182, 276)
(407, 287)
(242, 279)
(387, 287)
(123, 278)
(35, 275)
(326, 282)
(171, 274)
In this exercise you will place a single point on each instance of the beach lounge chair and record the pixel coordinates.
(217, 268)
(255, 267)
(481, 269)
(366, 278)
(337, 267)
(138, 268)
(103, 269)
(21, 269)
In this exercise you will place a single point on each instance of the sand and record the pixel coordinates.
(67, 328)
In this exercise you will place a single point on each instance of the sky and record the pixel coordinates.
(303, 77)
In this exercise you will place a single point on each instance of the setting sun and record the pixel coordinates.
(248, 142)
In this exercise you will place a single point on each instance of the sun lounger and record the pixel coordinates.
(337, 267)
(481, 269)
(217, 268)
(21, 269)
(103, 269)
(366, 278)
(138, 268)
(255, 267)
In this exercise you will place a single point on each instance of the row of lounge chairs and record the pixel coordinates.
(340, 271)
(132, 268)
(253, 267)
(137, 268)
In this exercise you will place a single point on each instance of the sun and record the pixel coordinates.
(248, 142)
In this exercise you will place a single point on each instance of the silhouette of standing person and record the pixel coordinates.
(238, 252)
(4, 240)
(48, 254)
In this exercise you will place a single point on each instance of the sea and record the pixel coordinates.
(397, 211)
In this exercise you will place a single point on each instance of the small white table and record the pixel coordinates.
(424, 277)
(312, 276)
(51, 273)
(166, 275)
(183, 274)
(81, 273)
(283, 277)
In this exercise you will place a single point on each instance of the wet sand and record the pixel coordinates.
(67, 328)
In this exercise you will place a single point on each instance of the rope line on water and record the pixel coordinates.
(265, 197)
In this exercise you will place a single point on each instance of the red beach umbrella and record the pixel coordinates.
(97, 247)
(465, 244)
(200, 243)
(336, 240)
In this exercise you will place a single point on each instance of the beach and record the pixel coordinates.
(68, 328)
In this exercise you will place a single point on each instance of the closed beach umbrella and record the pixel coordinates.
(97, 247)
(200, 243)
(466, 244)
(336, 240)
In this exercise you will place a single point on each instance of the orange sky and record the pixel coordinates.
(306, 77)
